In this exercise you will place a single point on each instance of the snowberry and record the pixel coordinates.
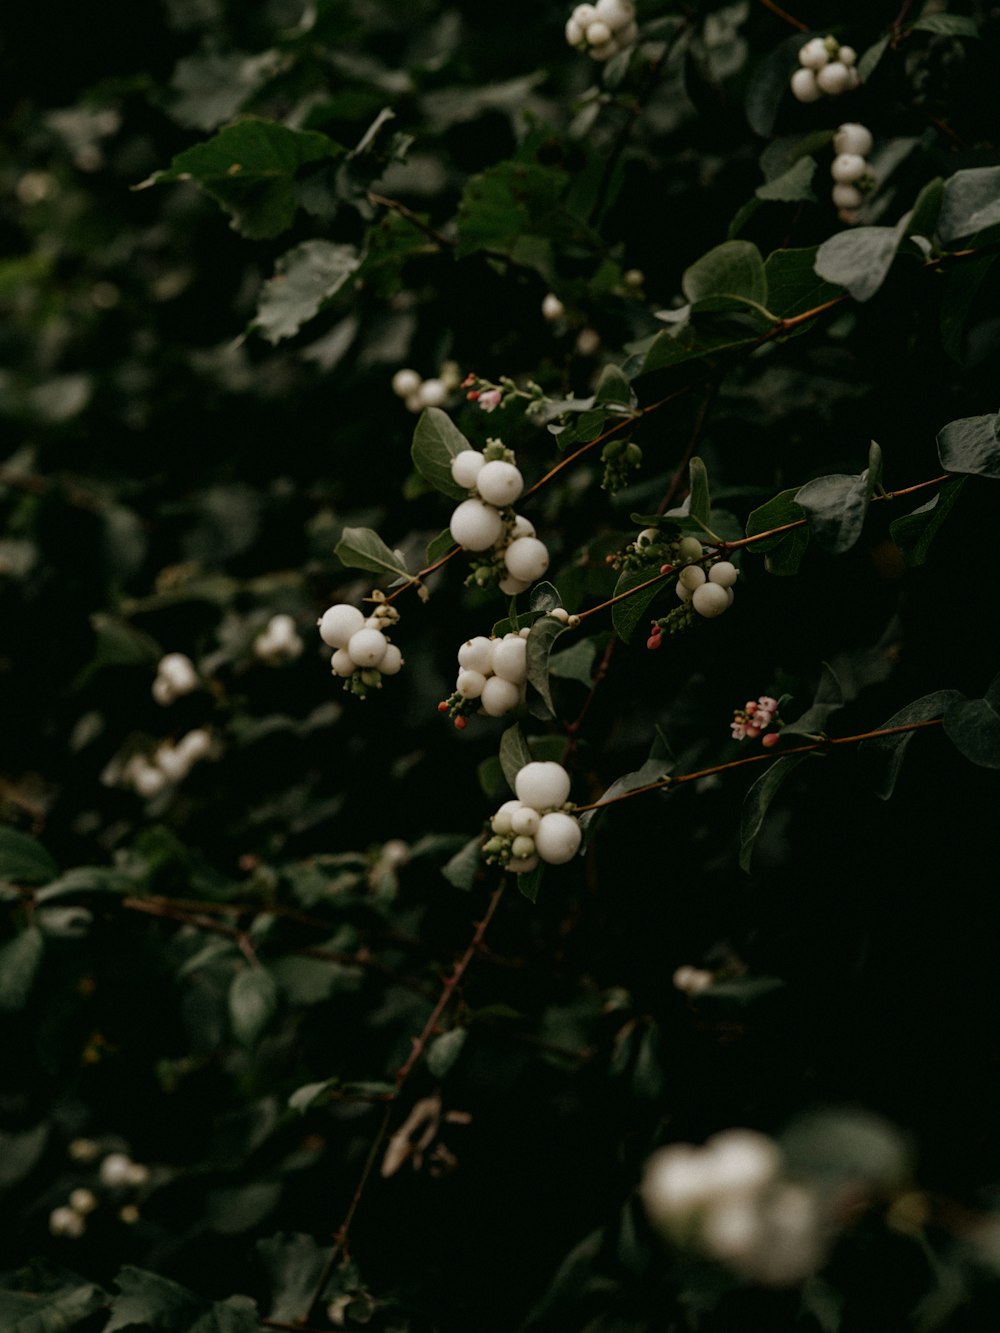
(405, 383)
(477, 654)
(615, 13)
(367, 647)
(115, 1170)
(66, 1221)
(847, 196)
(499, 483)
(689, 548)
(558, 838)
(552, 307)
(585, 14)
(171, 763)
(129, 1214)
(510, 659)
(849, 57)
(851, 137)
(512, 587)
(342, 663)
(432, 393)
(526, 558)
(502, 821)
(338, 623)
(814, 54)
(834, 78)
(804, 86)
(682, 592)
(499, 696)
(598, 33)
(732, 1228)
(692, 577)
(522, 847)
(465, 467)
(476, 525)
(574, 35)
(524, 633)
(559, 613)
(148, 780)
(470, 684)
(710, 600)
(83, 1201)
(743, 1160)
(392, 662)
(522, 527)
(647, 536)
(724, 574)
(692, 980)
(179, 670)
(525, 821)
(195, 745)
(137, 1174)
(522, 865)
(848, 168)
(542, 784)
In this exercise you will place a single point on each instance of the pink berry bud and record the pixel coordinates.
(771, 739)
(472, 395)
(753, 732)
(767, 702)
(666, 569)
(751, 707)
(461, 723)
(654, 641)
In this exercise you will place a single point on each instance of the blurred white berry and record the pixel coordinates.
(432, 393)
(129, 1214)
(115, 1170)
(814, 55)
(195, 745)
(804, 86)
(847, 196)
(848, 56)
(834, 78)
(848, 168)
(392, 663)
(83, 1201)
(405, 383)
(66, 1221)
(552, 307)
(522, 865)
(853, 138)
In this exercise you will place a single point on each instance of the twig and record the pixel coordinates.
(414, 219)
(782, 14)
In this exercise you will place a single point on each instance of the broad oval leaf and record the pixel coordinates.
(436, 441)
(627, 613)
(253, 999)
(913, 533)
(23, 859)
(19, 962)
(544, 633)
(361, 548)
(514, 753)
(758, 800)
(304, 279)
(860, 258)
(971, 203)
(881, 757)
(731, 273)
(972, 445)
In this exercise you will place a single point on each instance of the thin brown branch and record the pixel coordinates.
(394, 205)
(785, 16)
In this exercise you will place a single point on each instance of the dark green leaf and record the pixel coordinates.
(881, 757)
(963, 285)
(651, 771)
(253, 999)
(440, 546)
(871, 57)
(19, 1154)
(926, 210)
(529, 884)
(971, 203)
(913, 533)
(973, 727)
(82, 881)
(613, 387)
(249, 169)
(757, 802)
(19, 961)
(514, 753)
(304, 279)
(945, 25)
(626, 614)
(691, 344)
(774, 514)
(575, 663)
(836, 506)
(793, 284)
(828, 699)
(23, 860)
(731, 273)
(157, 1305)
(791, 187)
(783, 153)
(544, 633)
(310, 1093)
(445, 1050)
(436, 441)
(860, 258)
(233, 1210)
(462, 870)
(701, 501)
(292, 1264)
(768, 85)
(46, 1300)
(971, 445)
(361, 548)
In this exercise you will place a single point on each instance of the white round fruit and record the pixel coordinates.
(172, 763)
(499, 483)
(115, 1170)
(195, 745)
(510, 659)
(522, 847)
(149, 781)
(724, 574)
(499, 696)
(552, 307)
(392, 663)
(477, 654)
(814, 55)
(339, 623)
(432, 393)
(848, 56)
(804, 86)
(406, 382)
(574, 33)
(525, 821)
(683, 593)
(542, 784)
(853, 138)
(615, 13)
(834, 78)
(604, 51)
(367, 647)
(465, 468)
(689, 548)
(647, 536)
(470, 684)
(512, 587)
(598, 33)
(526, 558)
(585, 14)
(847, 196)
(521, 865)
(743, 1160)
(502, 820)
(693, 576)
(66, 1221)
(558, 838)
(710, 600)
(82, 1201)
(475, 525)
(342, 663)
(163, 691)
(522, 527)
(848, 168)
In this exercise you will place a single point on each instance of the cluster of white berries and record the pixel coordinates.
(486, 522)
(710, 592)
(536, 826)
(175, 677)
(492, 677)
(825, 67)
(117, 1171)
(602, 29)
(278, 642)
(730, 1200)
(851, 174)
(364, 653)
(169, 764)
(418, 393)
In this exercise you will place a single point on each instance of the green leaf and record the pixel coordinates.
(46, 1299)
(913, 533)
(783, 152)
(305, 1097)
(292, 1263)
(253, 999)
(924, 215)
(249, 169)
(544, 633)
(973, 727)
(784, 550)
(626, 614)
(836, 506)
(361, 548)
(235, 1209)
(575, 663)
(514, 753)
(23, 859)
(793, 283)
(19, 962)
(440, 546)
(529, 884)
(791, 187)
(445, 1050)
(690, 343)
(963, 285)
(860, 258)
(462, 870)
(971, 203)
(436, 441)
(157, 1305)
(828, 699)
(757, 802)
(732, 273)
(871, 57)
(20, 1153)
(971, 445)
(768, 86)
(881, 757)
(701, 500)
(613, 387)
(304, 279)
(652, 771)
(86, 880)
(544, 597)
(945, 25)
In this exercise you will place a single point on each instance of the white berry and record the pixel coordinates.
(195, 745)
(476, 525)
(470, 684)
(499, 483)
(683, 593)
(522, 847)
(526, 558)
(405, 383)
(847, 196)
(710, 600)
(115, 1170)
(477, 654)
(834, 78)
(693, 576)
(724, 574)
(522, 527)
(804, 86)
(67, 1222)
(615, 13)
(585, 14)
(598, 33)
(510, 659)
(574, 33)
(432, 393)
(392, 662)
(338, 623)
(605, 51)
(847, 56)
(521, 865)
(552, 307)
(342, 663)
(82, 1201)
(848, 168)
(512, 587)
(558, 838)
(524, 820)
(853, 138)
(465, 468)
(367, 647)
(502, 821)
(499, 696)
(689, 548)
(814, 54)
(542, 784)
